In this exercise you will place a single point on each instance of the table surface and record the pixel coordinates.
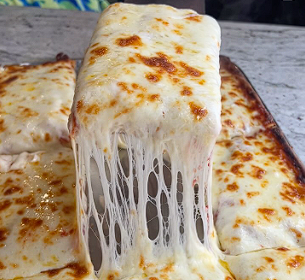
(271, 56)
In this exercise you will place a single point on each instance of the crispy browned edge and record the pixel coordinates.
(58, 57)
(272, 128)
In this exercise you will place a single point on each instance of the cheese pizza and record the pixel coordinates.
(38, 215)
(149, 82)
(35, 103)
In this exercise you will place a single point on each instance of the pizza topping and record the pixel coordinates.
(134, 40)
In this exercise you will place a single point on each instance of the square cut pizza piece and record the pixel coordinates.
(35, 103)
(38, 214)
(278, 263)
(150, 81)
(258, 195)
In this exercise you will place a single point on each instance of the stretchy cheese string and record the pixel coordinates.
(126, 236)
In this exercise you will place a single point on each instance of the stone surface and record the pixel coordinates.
(272, 57)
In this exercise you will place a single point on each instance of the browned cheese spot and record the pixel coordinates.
(26, 200)
(131, 59)
(12, 189)
(241, 156)
(235, 169)
(55, 182)
(269, 260)
(160, 61)
(186, 91)
(267, 212)
(79, 105)
(47, 137)
(2, 125)
(194, 17)
(28, 225)
(190, 70)
(152, 77)
(3, 234)
(251, 194)
(97, 52)
(5, 83)
(162, 21)
(282, 249)
(134, 40)
(79, 271)
(2, 266)
(289, 212)
(228, 123)
(179, 49)
(232, 187)
(260, 269)
(292, 192)
(153, 97)
(124, 87)
(297, 233)
(296, 262)
(27, 112)
(257, 172)
(63, 161)
(124, 111)
(93, 109)
(198, 112)
(5, 204)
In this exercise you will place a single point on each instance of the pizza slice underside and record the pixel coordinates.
(144, 122)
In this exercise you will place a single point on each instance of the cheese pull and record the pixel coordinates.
(149, 83)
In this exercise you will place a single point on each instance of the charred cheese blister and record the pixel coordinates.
(278, 263)
(149, 82)
(38, 216)
(35, 103)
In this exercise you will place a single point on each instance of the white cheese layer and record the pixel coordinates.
(38, 215)
(35, 104)
(149, 81)
(279, 264)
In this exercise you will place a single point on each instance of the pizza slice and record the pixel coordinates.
(35, 103)
(149, 83)
(278, 263)
(39, 217)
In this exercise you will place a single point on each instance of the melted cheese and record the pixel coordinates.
(257, 199)
(149, 81)
(35, 104)
(279, 264)
(38, 217)
(238, 115)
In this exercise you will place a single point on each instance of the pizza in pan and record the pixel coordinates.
(160, 190)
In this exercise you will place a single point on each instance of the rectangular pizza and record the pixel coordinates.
(35, 103)
(150, 84)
